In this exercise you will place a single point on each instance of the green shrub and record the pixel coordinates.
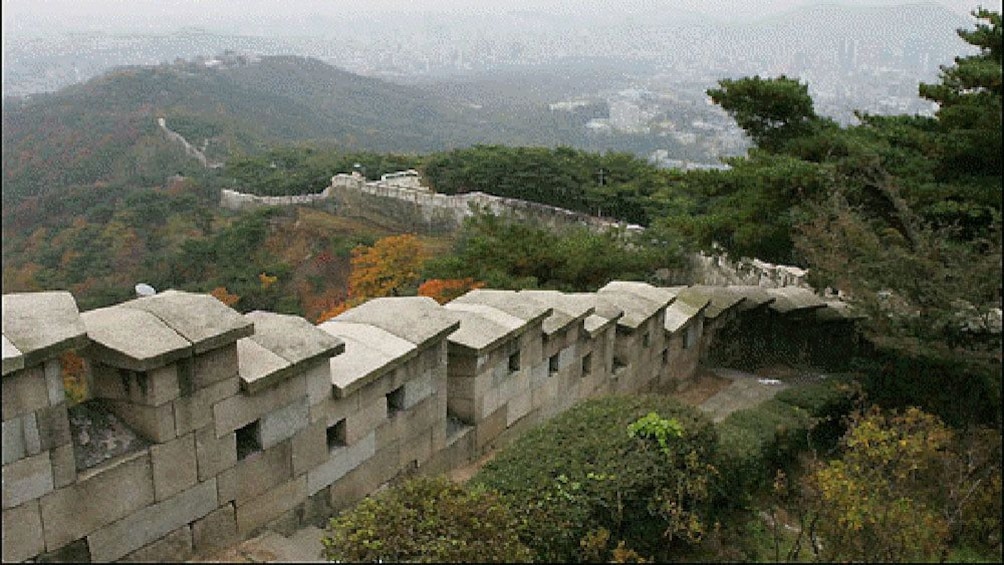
(753, 443)
(426, 520)
(582, 473)
(827, 402)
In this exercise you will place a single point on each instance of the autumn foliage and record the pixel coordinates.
(445, 290)
(386, 268)
(224, 296)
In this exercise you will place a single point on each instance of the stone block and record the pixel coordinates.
(214, 455)
(73, 552)
(194, 411)
(64, 466)
(154, 423)
(418, 390)
(363, 421)
(460, 387)
(319, 386)
(519, 406)
(113, 492)
(53, 427)
(215, 531)
(21, 526)
(14, 447)
(283, 423)
(310, 448)
(261, 471)
(175, 547)
(174, 466)
(364, 480)
(23, 392)
(150, 388)
(123, 537)
(333, 409)
(226, 485)
(238, 411)
(489, 428)
(462, 408)
(26, 479)
(273, 503)
(340, 462)
(54, 382)
(215, 365)
(416, 450)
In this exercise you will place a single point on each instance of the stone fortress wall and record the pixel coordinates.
(402, 196)
(207, 426)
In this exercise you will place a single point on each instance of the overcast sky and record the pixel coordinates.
(36, 17)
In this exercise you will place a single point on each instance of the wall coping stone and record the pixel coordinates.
(199, 318)
(680, 313)
(507, 301)
(258, 367)
(13, 359)
(482, 327)
(637, 307)
(721, 298)
(39, 326)
(791, 298)
(132, 339)
(291, 338)
(567, 309)
(417, 319)
(370, 352)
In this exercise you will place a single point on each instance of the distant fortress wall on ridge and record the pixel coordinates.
(402, 197)
(205, 426)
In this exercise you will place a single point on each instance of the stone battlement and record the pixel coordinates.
(231, 423)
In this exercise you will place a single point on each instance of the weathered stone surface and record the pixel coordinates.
(340, 462)
(506, 301)
(260, 368)
(215, 365)
(238, 411)
(364, 479)
(40, 325)
(638, 301)
(261, 471)
(13, 359)
(360, 423)
(293, 338)
(217, 530)
(214, 455)
(64, 468)
(132, 339)
(74, 552)
(174, 466)
(416, 319)
(26, 479)
(154, 423)
(283, 423)
(53, 427)
(272, 504)
(174, 547)
(196, 410)
(21, 526)
(226, 485)
(418, 390)
(24, 392)
(792, 299)
(319, 387)
(123, 537)
(14, 447)
(107, 494)
(519, 406)
(100, 435)
(370, 353)
(150, 388)
(490, 427)
(203, 320)
(482, 327)
(54, 382)
(310, 448)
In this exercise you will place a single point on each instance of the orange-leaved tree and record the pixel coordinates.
(445, 290)
(223, 295)
(387, 268)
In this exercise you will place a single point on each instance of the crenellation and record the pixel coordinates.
(266, 421)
